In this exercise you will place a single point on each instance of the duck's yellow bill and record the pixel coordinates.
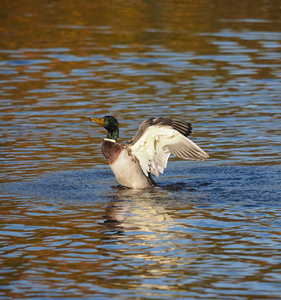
(97, 120)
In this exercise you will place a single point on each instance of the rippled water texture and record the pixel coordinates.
(212, 229)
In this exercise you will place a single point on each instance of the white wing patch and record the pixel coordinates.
(156, 144)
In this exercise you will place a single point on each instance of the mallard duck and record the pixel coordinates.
(147, 153)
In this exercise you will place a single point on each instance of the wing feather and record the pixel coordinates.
(155, 144)
(182, 127)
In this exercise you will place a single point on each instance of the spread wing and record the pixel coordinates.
(182, 127)
(155, 141)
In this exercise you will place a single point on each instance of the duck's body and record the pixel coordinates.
(147, 153)
(126, 169)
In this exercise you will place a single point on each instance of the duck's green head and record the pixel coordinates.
(110, 124)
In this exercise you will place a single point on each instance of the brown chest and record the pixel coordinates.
(111, 150)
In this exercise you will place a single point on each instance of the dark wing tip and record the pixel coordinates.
(182, 127)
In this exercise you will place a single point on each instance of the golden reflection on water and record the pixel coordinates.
(146, 241)
(194, 61)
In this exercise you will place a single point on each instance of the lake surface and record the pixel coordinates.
(211, 230)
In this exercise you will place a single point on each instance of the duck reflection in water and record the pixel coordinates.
(138, 210)
(142, 225)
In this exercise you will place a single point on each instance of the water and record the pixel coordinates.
(212, 229)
